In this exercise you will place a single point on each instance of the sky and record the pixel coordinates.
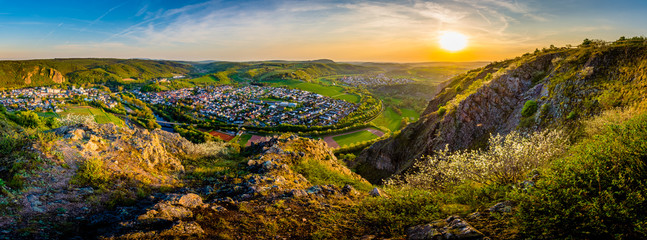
(355, 30)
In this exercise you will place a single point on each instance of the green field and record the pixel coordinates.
(355, 137)
(242, 139)
(329, 91)
(392, 120)
(99, 115)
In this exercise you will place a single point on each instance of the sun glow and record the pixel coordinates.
(452, 41)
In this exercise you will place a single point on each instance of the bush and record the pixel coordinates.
(529, 108)
(506, 161)
(91, 173)
(442, 111)
(597, 192)
(392, 216)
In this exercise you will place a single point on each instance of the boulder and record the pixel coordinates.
(191, 200)
(182, 229)
(502, 207)
(451, 228)
(376, 192)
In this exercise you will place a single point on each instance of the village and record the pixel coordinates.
(376, 80)
(259, 106)
(51, 99)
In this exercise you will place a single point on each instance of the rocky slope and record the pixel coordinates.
(86, 168)
(565, 83)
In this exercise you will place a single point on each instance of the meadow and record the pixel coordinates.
(355, 137)
(392, 120)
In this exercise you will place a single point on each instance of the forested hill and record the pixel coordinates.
(78, 71)
(268, 70)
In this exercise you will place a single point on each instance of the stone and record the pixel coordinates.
(502, 207)
(191, 200)
(422, 232)
(349, 190)
(298, 193)
(376, 192)
(183, 229)
(451, 228)
(167, 212)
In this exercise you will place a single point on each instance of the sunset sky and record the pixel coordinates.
(386, 31)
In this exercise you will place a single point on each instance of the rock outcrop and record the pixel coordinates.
(127, 151)
(43, 72)
(453, 227)
(489, 101)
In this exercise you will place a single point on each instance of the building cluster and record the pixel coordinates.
(255, 105)
(45, 98)
(373, 80)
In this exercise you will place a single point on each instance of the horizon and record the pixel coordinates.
(357, 31)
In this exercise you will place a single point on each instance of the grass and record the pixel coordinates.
(355, 137)
(393, 121)
(320, 174)
(99, 115)
(242, 140)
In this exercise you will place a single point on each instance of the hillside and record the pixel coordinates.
(79, 71)
(548, 89)
(270, 70)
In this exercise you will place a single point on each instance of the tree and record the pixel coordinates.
(28, 119)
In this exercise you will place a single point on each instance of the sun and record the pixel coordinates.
(452, 41)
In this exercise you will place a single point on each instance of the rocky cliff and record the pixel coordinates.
(49, 74)
(564, 84)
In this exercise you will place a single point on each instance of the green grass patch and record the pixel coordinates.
(355, 137)
(242, 140)
(204, 79)
(393, 121)
(320, 174)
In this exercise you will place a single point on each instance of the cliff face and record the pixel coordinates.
(565, 84)
(49, 74)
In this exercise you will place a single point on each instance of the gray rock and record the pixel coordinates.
(376, 192)
(502, 207)
(349, 190)
(451, 228)
(298, 193)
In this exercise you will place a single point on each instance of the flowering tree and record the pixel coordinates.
(506, 160)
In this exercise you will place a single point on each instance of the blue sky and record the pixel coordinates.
(281, 29)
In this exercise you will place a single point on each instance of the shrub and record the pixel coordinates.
(506, 160)
(92, 173)
(571, 115)
(392, 216)
(442, 111)
(529, 108)
(596, 192)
